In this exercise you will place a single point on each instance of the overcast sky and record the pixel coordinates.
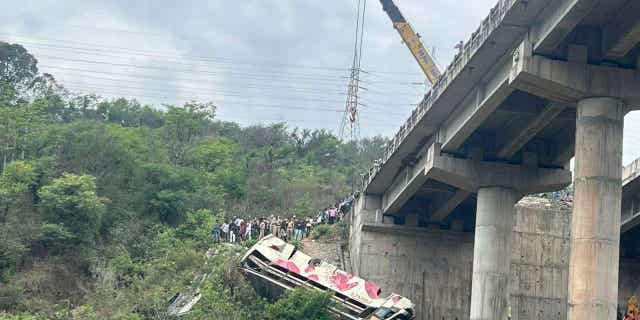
(257, 60)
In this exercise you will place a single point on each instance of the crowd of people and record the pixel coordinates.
(290, 228)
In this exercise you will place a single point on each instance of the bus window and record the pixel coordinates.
(381, 314)
(388, 314)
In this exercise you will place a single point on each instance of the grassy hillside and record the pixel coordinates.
(106, 205)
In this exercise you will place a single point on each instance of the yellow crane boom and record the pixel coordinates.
(412, 41)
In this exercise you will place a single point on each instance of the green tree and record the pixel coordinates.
(15, 216)
(216, 157)
(71, 202)
(20, 126)
(302, 304)
(211, 154)
(198, 225)
(18, 68)
(183, 125)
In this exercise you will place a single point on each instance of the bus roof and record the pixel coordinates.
(284, 255)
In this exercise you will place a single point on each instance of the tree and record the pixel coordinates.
(183, 125)
(18, 68)
(212, 154)
(302, 304)
(71, 203)
(15, 218)
(198, 225)
(16, 181)
(19, 125)
(169, 192)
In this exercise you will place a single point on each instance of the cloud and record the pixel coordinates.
(264, 60)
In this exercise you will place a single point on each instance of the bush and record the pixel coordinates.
(55, 238)
(302, 304)
(197, 227)
(24, 316)
(322, 231)
(71, 201)
(249, 243)
(342, 229)
(297, 244)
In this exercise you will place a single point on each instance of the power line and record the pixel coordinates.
(167, 54)
(298, 120)
(123, 91)
(244, 93)
(253, 76)
(199, 93)
(261, 84)
(189, 79)
(209, 72)
(257, 76)
(200, 89)
(128, 55)
(377, 123)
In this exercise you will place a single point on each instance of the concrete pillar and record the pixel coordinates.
(492, 253)
(595, 225)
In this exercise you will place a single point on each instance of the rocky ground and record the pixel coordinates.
(326, 250)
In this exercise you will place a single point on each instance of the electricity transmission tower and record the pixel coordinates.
(350, 125)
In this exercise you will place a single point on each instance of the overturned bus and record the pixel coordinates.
(274, 266)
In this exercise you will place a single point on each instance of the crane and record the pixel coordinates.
(412, 41)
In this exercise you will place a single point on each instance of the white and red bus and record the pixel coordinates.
(274, 266)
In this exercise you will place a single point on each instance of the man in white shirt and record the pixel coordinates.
(225, 230)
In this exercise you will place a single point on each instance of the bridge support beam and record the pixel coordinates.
(595, 226)
(492, 253)
(499, 187)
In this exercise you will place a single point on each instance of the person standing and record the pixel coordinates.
(232, 235)
(283, 230)
(225, 231)
(299, 226)
(242, 231)
(263, 228)
(307, 230)
(215, 234)
(248, 231)
(290, 227)
(332, 215)
(275, 226)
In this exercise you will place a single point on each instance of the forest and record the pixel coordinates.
(106, 204)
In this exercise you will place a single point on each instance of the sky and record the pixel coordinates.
(258, 61)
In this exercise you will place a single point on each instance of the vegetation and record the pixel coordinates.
(322, 231)
(302, 304)
(339, 230)
(106, 205)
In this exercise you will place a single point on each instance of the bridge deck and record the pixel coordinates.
(509, 97)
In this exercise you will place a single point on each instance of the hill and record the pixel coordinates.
(106, 204)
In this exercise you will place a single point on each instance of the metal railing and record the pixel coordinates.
(478, 38)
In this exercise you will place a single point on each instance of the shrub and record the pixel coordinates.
(297, 244)
(24, 316)
(302, 304)
(322, 231)
(249, 243)
(55, 238)
(71, 201)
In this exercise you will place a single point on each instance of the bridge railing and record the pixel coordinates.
(478, 38)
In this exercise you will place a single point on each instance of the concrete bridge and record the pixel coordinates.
(538, 83)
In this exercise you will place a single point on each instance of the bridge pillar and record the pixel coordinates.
(595, 226)
(492, 253)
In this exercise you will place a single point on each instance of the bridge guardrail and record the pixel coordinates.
(478, 38)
